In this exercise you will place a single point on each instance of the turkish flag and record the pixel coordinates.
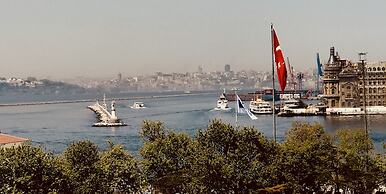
(280, 63)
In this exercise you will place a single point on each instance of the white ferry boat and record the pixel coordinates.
(138, 105)
(222, 103)
(259, 106)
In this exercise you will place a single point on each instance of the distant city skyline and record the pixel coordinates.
(67, 39)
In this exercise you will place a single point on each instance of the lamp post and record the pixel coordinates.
(362, 59)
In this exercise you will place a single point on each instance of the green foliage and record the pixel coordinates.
(27, 169)
(152, 130)
(121, 171)
(232, 160)
(81, 162)
(165, 158)
(307, 158)
(359, 170)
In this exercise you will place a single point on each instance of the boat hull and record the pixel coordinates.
(223, 109)
(109, 124)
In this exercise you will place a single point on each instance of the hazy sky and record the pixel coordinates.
(99, 38)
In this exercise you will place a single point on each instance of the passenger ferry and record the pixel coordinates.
(222, 103)
(259, 106)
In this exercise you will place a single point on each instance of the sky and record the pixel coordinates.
(101, 38)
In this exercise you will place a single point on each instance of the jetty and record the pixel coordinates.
(105, 118)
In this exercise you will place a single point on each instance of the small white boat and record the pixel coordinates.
(222, 103)
(259, 106)
(138, 105)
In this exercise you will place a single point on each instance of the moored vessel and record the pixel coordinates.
(259, 106)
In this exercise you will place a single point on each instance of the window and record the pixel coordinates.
(332, 103)
(348, 87)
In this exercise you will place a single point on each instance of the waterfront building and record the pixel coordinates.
(343, 83)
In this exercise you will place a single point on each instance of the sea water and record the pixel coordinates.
(55, 126)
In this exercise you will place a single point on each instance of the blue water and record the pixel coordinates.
(55, 126)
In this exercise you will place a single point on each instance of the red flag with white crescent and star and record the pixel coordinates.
(280, 63)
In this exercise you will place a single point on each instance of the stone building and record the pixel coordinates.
(343, 83)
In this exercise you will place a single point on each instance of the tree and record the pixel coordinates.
(121, 171)
(81, 161)
(27, 169)
(360, 170)
(232, 160)
(166, 157)
(307, 158)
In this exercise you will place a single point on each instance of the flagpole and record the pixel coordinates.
(236, 105)
(318, 75)
(273, 89)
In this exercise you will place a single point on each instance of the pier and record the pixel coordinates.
(266, 94)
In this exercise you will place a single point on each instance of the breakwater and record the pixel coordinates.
(93, 100)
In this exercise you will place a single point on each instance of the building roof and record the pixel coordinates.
(6, 139)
